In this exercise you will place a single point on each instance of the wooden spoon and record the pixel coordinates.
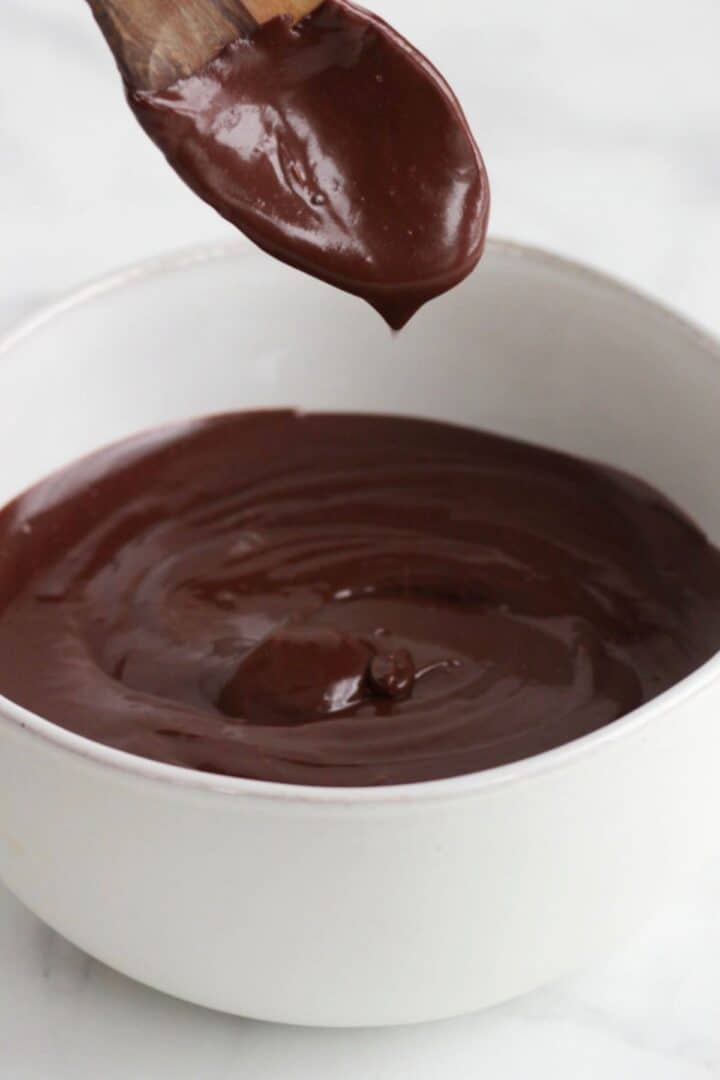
(335, 147)
(157, 42)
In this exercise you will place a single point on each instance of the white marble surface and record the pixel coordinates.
(600, 126)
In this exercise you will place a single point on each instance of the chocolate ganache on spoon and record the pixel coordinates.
(330, 141)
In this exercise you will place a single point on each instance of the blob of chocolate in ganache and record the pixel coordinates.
(336, 147)
(345, 600)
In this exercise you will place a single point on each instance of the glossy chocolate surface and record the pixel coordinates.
(345, 600)
(336, 147)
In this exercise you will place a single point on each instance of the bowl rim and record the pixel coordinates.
(465, 785)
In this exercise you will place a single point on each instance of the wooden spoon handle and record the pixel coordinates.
(156, 42)
(264, 10)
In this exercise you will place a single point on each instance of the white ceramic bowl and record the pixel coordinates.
(363, 906)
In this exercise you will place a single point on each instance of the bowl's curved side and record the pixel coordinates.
(358, 914)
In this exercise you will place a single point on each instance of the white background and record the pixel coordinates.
(600, 123)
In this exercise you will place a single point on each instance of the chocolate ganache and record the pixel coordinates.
(345, 599)
(336, 147)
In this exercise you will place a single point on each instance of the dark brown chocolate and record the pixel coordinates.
(345, 600)
(336, 147)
